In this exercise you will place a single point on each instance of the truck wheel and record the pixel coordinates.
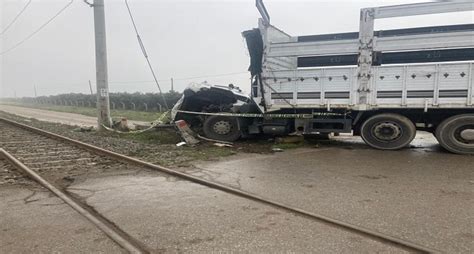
(388, 131)
(222, 128)
(456, 134)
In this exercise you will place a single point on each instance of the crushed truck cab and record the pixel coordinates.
(212, 110)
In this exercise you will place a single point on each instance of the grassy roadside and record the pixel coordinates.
(129, 114)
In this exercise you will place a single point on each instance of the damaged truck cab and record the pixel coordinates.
(212, 110)
(381, 85)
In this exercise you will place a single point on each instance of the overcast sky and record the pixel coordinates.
(184, 38)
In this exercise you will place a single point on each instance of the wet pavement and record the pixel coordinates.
(421, 194)
(34, 221)
(173, 216)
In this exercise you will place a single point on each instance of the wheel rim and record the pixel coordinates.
(222, 127)
(387, 131)
(465, 134)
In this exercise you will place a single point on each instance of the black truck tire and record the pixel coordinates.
(456, 134)
(222, 128)
(388, 131)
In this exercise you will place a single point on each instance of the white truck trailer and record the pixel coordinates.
(381, 85)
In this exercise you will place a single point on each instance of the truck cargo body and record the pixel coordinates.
(323, 73)
(382, 85)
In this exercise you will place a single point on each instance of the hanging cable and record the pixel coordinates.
(140, 42)
(213, 76)
(39, 29)
(181, 79)
(15, 18)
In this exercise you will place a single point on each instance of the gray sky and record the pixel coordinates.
(184, 38)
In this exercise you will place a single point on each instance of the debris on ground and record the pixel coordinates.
(277, 150)
(181, 144)
(215, 141)
(223, 145)
(121, 125)
(186, 133)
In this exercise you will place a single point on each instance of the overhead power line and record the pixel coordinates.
(37, 30)
(15, 18)
(81, 84)
(214, 76)
(186, 78)
(145, 54)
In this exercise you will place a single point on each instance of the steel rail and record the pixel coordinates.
(110, 231)
(381, 237)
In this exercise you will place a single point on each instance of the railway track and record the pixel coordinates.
(41, 153)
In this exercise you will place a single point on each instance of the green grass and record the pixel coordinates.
(162, 136)
(129, 114)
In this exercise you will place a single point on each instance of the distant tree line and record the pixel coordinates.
(128, 101)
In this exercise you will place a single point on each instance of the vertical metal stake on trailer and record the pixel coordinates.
(366, 39)
(367, 42)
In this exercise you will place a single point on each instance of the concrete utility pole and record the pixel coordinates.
(103, 104)
(172, 85)
(36, 95)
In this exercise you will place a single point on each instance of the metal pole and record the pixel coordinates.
(36, 95)
(103, 105)
(172, 85)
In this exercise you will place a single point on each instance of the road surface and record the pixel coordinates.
(422, 194)
(56, 117)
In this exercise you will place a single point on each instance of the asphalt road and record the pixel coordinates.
(173, 216)
(34, 221)
(422, 194)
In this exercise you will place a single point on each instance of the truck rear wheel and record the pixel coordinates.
(456, 134)
(388, 131)
(222, 128)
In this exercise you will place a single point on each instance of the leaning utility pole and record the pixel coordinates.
(103, 105)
